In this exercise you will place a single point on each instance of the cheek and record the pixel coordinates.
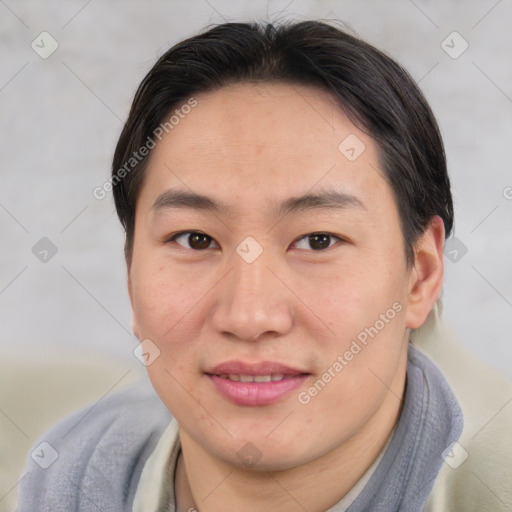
(350, 296)
(169, 309)
(161, 298)
(364, 307)
(358, 365)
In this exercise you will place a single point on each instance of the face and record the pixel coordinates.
(269, 270)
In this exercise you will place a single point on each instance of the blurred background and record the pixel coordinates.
(68, 74)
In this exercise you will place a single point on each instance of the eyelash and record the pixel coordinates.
(173, 238)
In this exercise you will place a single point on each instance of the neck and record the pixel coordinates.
(207, 484)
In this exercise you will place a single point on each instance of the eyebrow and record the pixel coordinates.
(324, 199)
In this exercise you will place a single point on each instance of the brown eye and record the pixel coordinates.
(193, 240)
(316, 241)
(199, 241)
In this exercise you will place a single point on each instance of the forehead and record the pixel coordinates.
(253, 142)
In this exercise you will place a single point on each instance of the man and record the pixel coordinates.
(285, 199)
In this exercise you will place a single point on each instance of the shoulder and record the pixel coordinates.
(93, 459)
(476, 473)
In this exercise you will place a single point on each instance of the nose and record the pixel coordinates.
(252, 302)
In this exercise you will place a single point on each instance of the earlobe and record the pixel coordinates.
(426, 280)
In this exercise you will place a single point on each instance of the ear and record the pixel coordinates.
(135, 327)
(426, 279)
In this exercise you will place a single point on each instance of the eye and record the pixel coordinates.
(317, 241)
(195, 240)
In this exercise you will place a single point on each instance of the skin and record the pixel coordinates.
(252, 147)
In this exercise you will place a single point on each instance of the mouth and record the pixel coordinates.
(236, 377)
(256, 384)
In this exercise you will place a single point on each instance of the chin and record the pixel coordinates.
(260, 454)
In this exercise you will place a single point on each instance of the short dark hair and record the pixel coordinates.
(377, 94)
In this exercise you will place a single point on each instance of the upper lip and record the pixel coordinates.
(256, 368)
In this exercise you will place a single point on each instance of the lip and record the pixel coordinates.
(255, 393)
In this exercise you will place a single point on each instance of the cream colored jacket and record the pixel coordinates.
(477, 473)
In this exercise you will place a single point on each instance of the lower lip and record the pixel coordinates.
(256, 393)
